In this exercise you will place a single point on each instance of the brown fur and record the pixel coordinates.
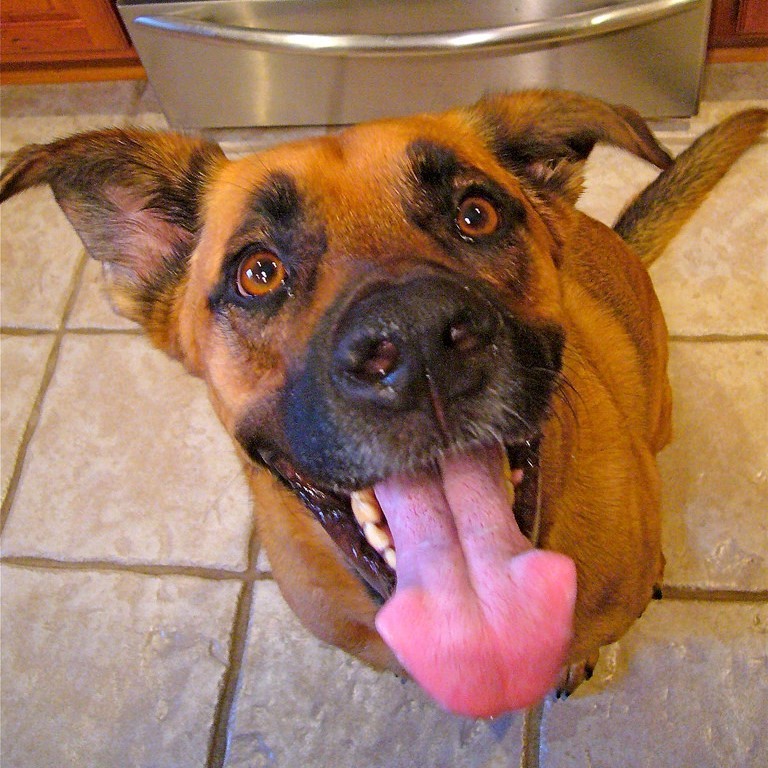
(162, 211)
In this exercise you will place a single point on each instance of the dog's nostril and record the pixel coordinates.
(469, 332)
(369, 368)
(381, 361)
(462, 338)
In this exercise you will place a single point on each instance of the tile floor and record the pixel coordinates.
(140, 626)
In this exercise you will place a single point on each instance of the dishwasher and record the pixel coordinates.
(237, 63)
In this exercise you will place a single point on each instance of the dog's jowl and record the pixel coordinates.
(446, 384)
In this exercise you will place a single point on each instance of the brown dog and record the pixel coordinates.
(447, 385)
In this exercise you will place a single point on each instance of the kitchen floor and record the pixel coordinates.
(140, 625)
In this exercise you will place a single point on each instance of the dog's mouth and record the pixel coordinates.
(478, 616)
(520, 472)
(358, 525)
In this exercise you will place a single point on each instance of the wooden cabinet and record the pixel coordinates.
(63, 39)
(739, 24)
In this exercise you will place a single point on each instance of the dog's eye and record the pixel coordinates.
(476, 217)
(259, 274)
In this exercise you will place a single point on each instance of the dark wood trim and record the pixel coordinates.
(730, 55)
(68, 72)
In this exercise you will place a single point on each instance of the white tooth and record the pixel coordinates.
(378, 538)
(509, 478)
(390, 558)
(365, 507)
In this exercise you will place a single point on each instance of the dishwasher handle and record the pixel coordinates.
(572, 26)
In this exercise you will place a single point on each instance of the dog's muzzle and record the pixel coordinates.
(411, 432)
(408, 369)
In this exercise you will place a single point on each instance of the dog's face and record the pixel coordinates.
(376, 300)
(378, 317)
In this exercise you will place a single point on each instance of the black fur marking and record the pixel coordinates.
(440, 183)
(433, 165)
(182, 197)
(278, 200)
(534, 157)
(279, 222)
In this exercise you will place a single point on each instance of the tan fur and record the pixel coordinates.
(600, 481)
(652, 221)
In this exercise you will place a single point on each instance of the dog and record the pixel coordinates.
(446, 384)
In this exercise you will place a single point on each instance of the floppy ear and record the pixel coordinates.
(546, 136)
(134, 198)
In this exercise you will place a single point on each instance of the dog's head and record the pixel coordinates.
(375, 310)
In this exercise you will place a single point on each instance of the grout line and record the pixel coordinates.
(529, 756)
(715, 595)
(37, 407)
(82, 331)
(718, 337)
(225, 706)
(13, 331)
(144, 569)
(253, 574)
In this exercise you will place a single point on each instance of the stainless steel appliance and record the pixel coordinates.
(230, 63)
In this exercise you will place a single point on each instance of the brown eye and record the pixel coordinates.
(260, 273)
(477, 217)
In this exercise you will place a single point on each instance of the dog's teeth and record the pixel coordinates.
(377, 537)
(509, 479)
(390, 558)
(370, 518)
(365, 507)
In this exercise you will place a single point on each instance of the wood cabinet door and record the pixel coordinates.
(59, 30)
(739, 23)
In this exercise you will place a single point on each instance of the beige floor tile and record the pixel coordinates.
(670, 694)
(39, 113)
(343, 714)
(53, 99)
(129, 464)
(148, 112)
(154, 121)
(742, 80)
(613, 178)
(91, 308)
(111, 670)
(39, 252)
(712, 112)
(22, 362)
(714, 276)
(715, 472)
(148, 101)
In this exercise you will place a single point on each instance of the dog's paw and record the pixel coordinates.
(575, 674)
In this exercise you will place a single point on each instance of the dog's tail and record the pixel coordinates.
(658, 213)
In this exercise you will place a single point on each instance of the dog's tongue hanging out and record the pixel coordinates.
(480, 619)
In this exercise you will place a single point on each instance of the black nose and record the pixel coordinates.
(428, 337)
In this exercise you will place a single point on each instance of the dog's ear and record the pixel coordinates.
(546, 136)
(134, 198)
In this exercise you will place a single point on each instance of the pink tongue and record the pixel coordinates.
(479, 618)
